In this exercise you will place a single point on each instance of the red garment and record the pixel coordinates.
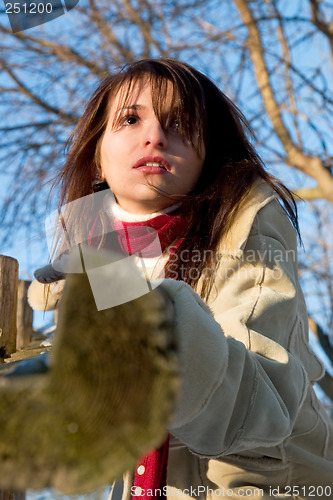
(151, 474)
(138, 237)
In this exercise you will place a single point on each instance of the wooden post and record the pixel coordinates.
(24, 316)
(12, 495)
(8, 305)
(8, 329)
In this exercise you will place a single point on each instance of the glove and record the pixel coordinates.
(105, 400)
(54, 271)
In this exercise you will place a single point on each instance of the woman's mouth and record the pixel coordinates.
(152, 166)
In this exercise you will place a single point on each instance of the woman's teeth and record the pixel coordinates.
(153, 164)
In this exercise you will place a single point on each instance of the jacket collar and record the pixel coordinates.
(234, 241)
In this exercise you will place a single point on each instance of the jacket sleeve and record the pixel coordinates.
(242, 383)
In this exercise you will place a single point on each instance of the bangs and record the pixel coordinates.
(175, 99)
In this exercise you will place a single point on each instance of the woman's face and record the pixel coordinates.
(138, 154)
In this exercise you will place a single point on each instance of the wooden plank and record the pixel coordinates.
(24, 316)
(8, 329)
(8, 305)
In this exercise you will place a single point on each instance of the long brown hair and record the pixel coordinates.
(205, 114)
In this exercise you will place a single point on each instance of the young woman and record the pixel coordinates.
(173, 150)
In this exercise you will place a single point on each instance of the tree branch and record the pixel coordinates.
(144, 26)
(105, 30)
(34, 98)
(314, 193)
(318, 20)
(322, 337)
(62, 52)
(311, 166)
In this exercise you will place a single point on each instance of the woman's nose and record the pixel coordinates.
(155, 135)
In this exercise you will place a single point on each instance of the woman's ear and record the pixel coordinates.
(99, 175)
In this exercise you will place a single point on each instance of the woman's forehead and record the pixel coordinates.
(129, 93)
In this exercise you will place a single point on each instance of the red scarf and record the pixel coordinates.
(137, 237)
(134, 238)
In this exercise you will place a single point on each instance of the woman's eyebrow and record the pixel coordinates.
(133, 107)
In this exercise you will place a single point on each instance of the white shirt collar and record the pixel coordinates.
(119, 213)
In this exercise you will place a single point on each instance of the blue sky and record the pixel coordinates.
(30, 244)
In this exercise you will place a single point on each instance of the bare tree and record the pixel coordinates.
(296, 96)
(286, 103)
(272, 57)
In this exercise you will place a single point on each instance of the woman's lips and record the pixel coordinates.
(152, 165)
(152, 169)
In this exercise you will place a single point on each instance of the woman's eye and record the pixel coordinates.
(130, 120)
(175, 125)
